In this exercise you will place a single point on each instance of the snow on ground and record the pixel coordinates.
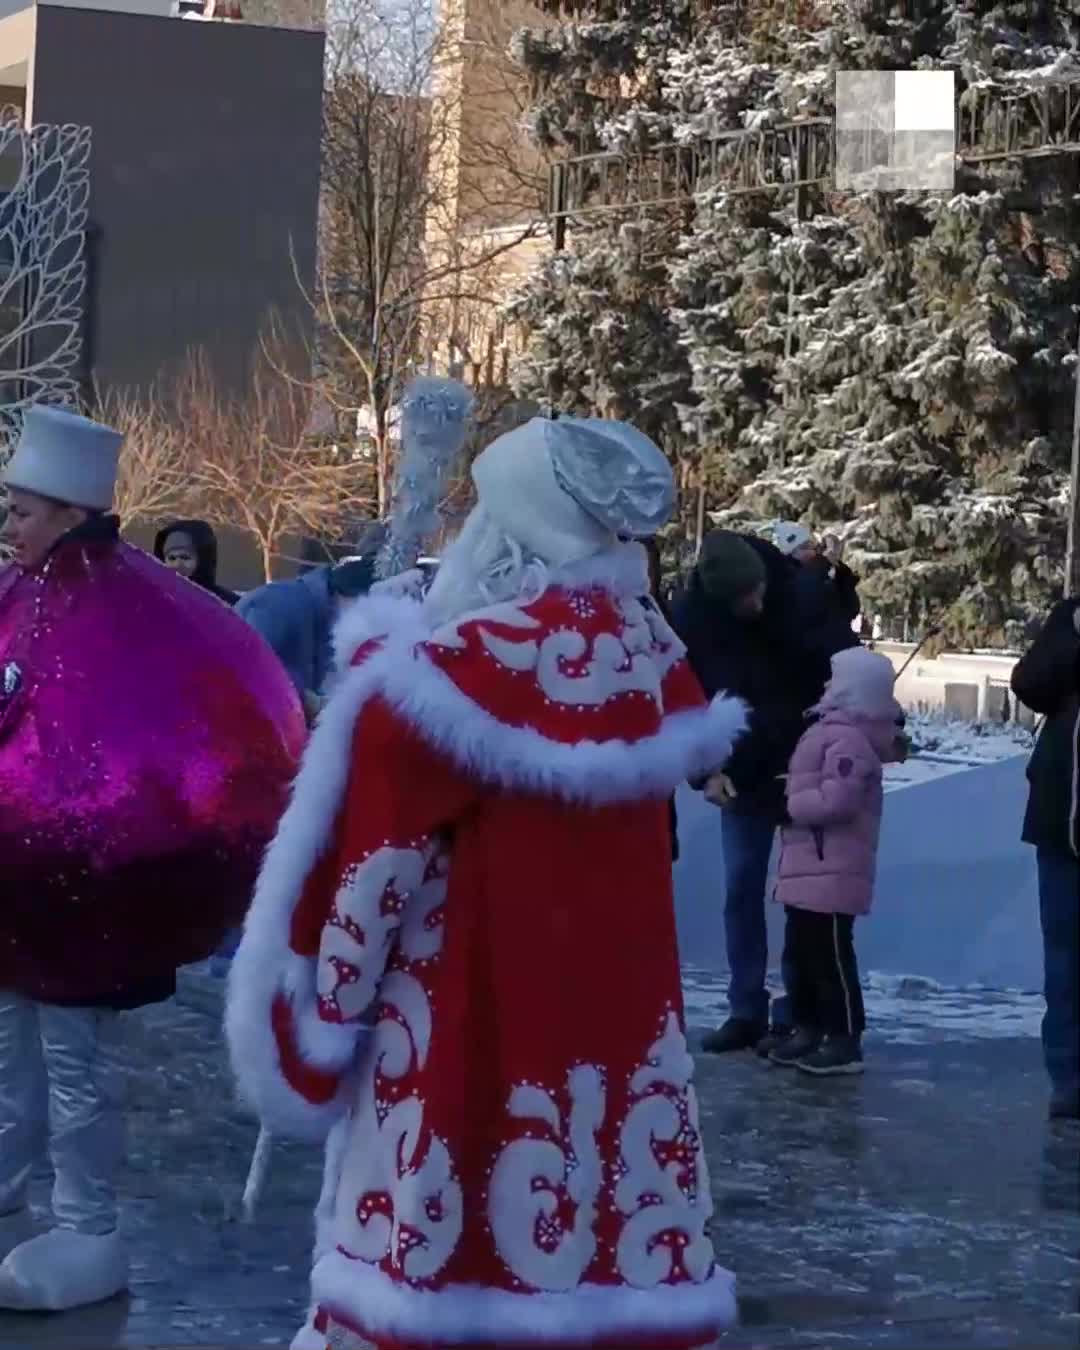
(975, 742)
(943, 745)
(900, 1009)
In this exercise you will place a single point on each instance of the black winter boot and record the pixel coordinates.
(837, 1055)
(779, 1035)
(805, 1041)
(737, 1033)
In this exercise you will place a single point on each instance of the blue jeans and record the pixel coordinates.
(1059, 910)
(747, 843)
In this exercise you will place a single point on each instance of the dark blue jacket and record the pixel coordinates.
(1047, 680)
(296, 618)
(778, 664)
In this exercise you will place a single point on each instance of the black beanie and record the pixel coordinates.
(352, 577)
(729, 567)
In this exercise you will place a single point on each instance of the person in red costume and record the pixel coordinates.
(147, 739)
(460, 965)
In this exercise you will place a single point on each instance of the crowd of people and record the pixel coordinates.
(459, 971)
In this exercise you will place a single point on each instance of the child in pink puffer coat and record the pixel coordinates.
(829, 855)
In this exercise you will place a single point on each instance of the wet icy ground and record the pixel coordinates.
(928, 1204)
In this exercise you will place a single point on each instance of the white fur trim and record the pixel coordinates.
(265, 964)
(376, 616)
(690, 743)
(466, 1314)
(624, 571)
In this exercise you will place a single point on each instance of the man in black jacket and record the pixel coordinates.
(831, 586)
(751, 622)
(1047, 680)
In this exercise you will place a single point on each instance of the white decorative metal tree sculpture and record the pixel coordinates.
(43, 219)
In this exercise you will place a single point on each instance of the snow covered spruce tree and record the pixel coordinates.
(601, 333)
(897, 367)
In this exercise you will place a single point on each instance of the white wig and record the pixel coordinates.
(483, 566)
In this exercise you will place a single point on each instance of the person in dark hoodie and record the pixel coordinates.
(189, 547)
(752, 625)
(1047, 680)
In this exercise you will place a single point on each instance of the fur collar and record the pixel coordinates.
(622, 572)
(491, 690)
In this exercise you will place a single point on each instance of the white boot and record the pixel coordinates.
(62, 1269)
(15, 1229)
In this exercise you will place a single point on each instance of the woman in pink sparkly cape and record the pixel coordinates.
(147, 739)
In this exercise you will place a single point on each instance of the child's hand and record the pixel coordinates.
(720, 790)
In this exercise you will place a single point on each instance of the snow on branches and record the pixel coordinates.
(898, 368)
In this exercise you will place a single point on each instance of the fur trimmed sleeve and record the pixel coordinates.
(327, 912)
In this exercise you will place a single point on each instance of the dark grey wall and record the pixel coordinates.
(205, 172)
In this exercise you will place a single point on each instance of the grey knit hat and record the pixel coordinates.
(729, 567)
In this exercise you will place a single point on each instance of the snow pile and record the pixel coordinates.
(969, 742)
(943, 745)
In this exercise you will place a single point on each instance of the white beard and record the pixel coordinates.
(482, 567)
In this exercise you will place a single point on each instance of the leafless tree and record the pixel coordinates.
(426, 190)
(156, 466)
(257, 466)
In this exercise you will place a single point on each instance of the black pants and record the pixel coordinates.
(819, 953)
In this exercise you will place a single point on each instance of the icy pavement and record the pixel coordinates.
(928, 1204)
(901, 1009)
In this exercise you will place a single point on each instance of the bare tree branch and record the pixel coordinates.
(256, 465)
(421, 205)
(155, 475)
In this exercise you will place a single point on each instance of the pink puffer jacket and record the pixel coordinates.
(834, 797)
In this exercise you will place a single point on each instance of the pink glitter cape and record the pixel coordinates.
(147, 740)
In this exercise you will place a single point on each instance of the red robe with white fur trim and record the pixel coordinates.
(461, 958)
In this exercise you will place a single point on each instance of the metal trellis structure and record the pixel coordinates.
(994, 123)
(793, 156)
(43, 226)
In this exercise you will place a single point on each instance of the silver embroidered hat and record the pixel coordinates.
(566, 489)
(615, 473)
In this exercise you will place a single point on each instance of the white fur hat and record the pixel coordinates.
(567, 488)
(788, 535)
(862, 682)
(66, 457)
